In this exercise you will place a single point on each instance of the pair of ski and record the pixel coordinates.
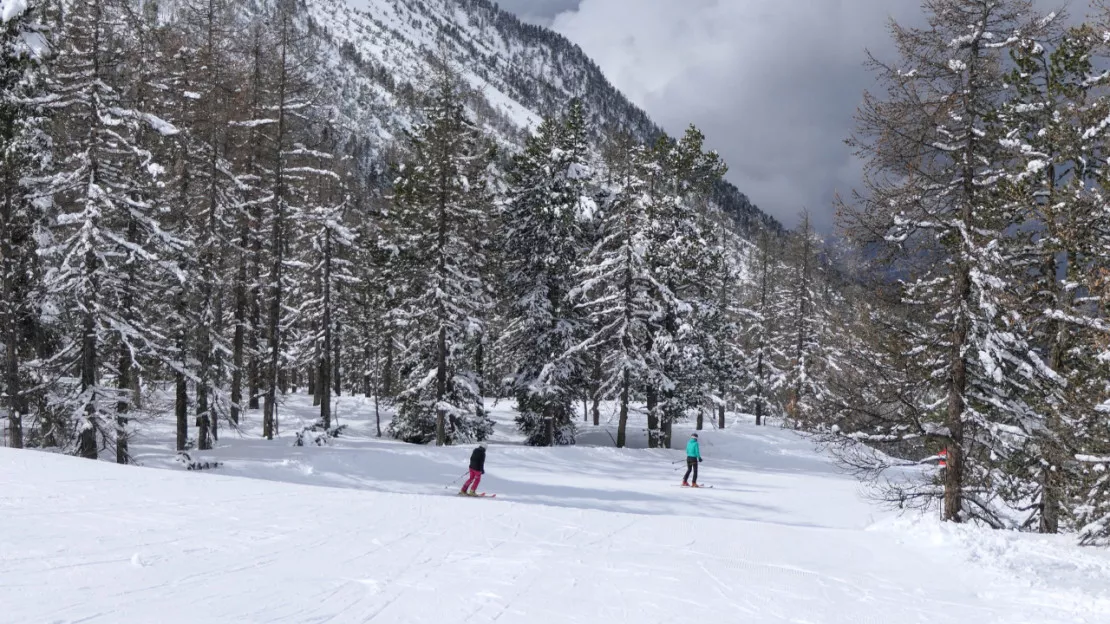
(477, 495)
(696, 488)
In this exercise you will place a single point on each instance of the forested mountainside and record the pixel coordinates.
(207, 206)
(428, 202)
(380, 57)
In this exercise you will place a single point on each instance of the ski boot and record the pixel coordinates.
(685, 484)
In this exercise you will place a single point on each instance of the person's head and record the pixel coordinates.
(481, 445)
(694, 436)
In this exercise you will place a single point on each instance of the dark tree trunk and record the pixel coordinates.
(238, 343)
(653, 416)
(90, 361)
(595, 391)
(441, 386)
(123, 406)
(622, 422)
(957, 386)
(387, 369)
(337, 361)
(14, 306)
(204, 420)
(367, 376)
(181, 410)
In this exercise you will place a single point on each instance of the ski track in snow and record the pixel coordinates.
(583, 534)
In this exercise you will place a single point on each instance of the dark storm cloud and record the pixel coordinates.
(774, 84)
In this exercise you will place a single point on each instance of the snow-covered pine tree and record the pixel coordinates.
(765, 378)
(680, 175)
(806, 335)
(1092, 440)
(441, 204)
(616, 285)
(723, 326)
(1055, 130)
(105, 225)
(933, 196)
(24, 150)
(548, 185)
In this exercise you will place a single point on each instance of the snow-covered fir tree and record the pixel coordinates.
(1054, 127)
(679, 175)
(548, 193)
(441, 205)
(616, 287)
(766, 380)
(24, 151)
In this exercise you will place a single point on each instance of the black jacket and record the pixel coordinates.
(478, 460)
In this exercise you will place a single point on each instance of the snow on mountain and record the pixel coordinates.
(378, 54)
(578, 534)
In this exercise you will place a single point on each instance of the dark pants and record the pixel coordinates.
(691, 464)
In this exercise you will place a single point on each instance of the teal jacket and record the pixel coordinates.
(692, 448)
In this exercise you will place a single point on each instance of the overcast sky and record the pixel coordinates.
(772, 83)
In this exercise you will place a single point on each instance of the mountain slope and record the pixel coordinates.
(379, 54)
(577, 535)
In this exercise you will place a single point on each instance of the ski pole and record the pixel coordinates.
(456, 480)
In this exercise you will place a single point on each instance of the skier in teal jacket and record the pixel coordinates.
(693, 456)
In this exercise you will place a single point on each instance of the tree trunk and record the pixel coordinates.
(327, 365)
(721, 416)
(123, 406)
(387, 368)
(13, 306)
(957, 385)
(337, 361)
(238, 343)
(622, 422)
(181, 410)
(367, 375)
(653, 416)
(759, 389)
(441, 386)
(595, 391)
(17, 403)
(1052, 483)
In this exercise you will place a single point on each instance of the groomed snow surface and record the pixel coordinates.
(368, 530)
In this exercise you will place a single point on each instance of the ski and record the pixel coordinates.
(478, 495)
(700, 487)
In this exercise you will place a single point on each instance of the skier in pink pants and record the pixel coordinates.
(477, 469)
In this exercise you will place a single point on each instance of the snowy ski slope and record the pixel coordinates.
(585, 534)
